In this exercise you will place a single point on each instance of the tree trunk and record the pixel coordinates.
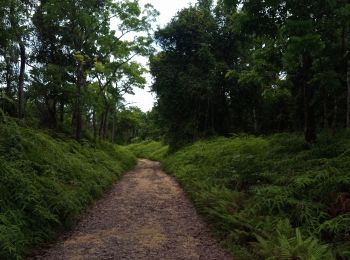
(61, 113)
(100, 129)
(325, 114)
(94, 125)
(8, 77)
(78, 114)
(309, 115)
(105, 125)
(78, 102)
(21, 80)
(54, 113)
(113, 128)
(50, 115)
(255, 122)
(348, 94)
(335, 113)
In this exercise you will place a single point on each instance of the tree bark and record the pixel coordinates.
(255, 122)
(100, 129)
(94, 125)
(113, 128)
(325, 114)
(309, 115)
(61, 113)
(105, 125)
(50, 118)
(348, 92)
(8, 77)
(21, 80)
(78, 103)
(335, 114)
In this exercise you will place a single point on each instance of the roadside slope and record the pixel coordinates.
(268, 196)
(46, 183)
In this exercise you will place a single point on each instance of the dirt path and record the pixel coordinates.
(145, 216)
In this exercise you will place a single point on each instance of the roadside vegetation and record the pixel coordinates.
(152, 150)
(64, 71)
(278, 69)
(46, 183)
(268, 197)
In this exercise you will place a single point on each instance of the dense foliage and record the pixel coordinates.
(47, 182)
(271, 197)
(132, 125)
(149, 149)
(66, 65)
(256, 67)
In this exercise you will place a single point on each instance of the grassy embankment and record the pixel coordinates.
(268, 197)
(46, 183)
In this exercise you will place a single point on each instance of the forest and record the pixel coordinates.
(252, 117)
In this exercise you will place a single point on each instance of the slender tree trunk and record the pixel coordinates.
(348, 93)
(8, 77)
(78, 104)
(335, 113)
(105, 125)
(50, 119)
(78, 114)
(255, 122)
(113, 128)
(100, 129)
(309, 115)
(54, 113)
(21, 80)
(94, 125)
(325, 114)
(61, 113)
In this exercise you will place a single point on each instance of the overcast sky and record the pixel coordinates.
(167, 8)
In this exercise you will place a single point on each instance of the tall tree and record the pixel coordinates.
(76, 46)
(17, 24)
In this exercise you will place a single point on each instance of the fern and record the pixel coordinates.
(44, 186)
(276, 178)
(282, 245)
(4, 97)
(272, 199)
(339, 227)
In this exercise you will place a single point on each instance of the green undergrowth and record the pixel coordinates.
(46, 183)
(269, 197)
(149, 149)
